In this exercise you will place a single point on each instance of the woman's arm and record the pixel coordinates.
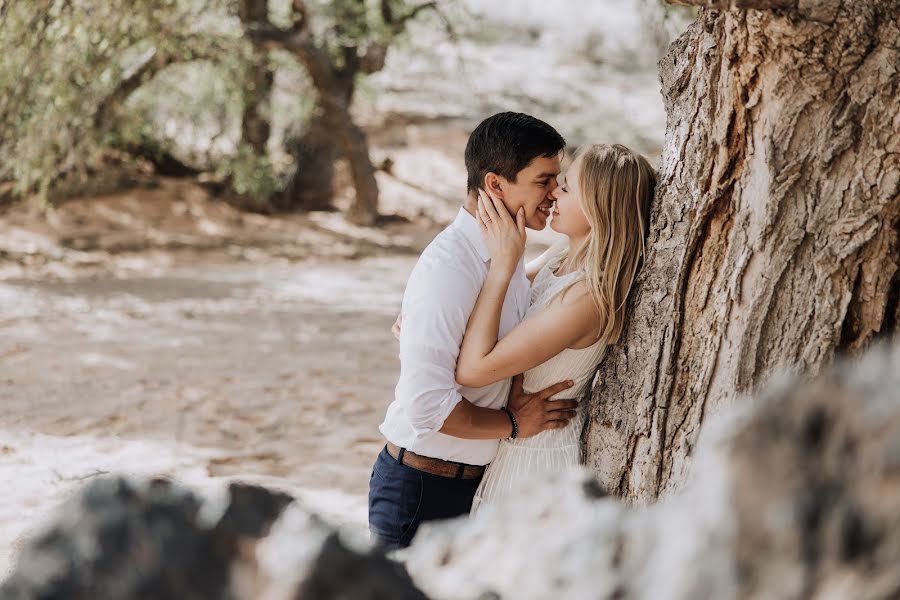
(560, 325)
(482, 360)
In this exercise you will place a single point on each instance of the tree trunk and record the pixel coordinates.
(311, 186)
(255, 126)
(355, 148)
(333, 134)
(774, 234)
(335, 95)
(334, 84)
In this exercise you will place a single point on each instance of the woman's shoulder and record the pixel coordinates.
(565, 292)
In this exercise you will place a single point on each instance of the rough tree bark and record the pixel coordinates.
(774, 234)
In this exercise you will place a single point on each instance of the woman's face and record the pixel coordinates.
(568, 217)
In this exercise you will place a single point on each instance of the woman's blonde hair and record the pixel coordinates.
(616, 188)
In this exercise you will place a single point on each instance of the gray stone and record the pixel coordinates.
(121, 538)
(793, 494)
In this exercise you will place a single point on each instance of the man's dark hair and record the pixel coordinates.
(505, 143)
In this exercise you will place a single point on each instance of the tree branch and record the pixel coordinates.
(398, 24)
(297, 40)
(301, 15)
(253, 11)
(387, 12)
(269, 36)
(262, 33)
(294, 41)
(149, 64)
(414, 12)
(374, 57)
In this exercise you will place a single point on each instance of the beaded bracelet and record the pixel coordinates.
(515, 424)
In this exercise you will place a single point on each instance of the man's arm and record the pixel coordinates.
(435, 311)
(436, 305)
(533, 412)
(471, 422)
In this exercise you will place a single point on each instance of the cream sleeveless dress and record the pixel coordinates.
(554, 449)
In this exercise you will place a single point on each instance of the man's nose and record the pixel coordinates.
(554, 192)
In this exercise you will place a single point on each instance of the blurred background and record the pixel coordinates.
(209, 208)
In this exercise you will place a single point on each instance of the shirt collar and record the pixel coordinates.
(468, 225)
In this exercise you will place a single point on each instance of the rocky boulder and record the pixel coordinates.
(793, 494)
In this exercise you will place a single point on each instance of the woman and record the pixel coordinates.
(577, 300)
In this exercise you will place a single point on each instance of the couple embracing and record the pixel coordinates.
(494, 352)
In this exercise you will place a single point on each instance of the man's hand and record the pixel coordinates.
(535, 413)
(395, 328)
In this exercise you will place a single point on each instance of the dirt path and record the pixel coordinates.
(275, 372)
(158, 331)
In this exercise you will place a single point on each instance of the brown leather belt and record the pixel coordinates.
(435, 466)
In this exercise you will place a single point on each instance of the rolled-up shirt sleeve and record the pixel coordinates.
(436, 308)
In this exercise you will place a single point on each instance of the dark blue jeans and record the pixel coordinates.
(401, 497)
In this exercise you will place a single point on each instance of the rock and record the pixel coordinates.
(304, 558)
(135, 539)
(341, 572)
(817, 485)
(122, 538)
(794, 494)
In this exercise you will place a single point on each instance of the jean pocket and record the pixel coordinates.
(395, 497)
(411, 506)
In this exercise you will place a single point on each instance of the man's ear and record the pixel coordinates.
(494, 183)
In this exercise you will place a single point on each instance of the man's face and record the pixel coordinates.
(532, 190)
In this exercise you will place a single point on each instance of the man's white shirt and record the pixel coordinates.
(438, 300)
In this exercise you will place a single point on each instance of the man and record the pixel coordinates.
(440, 435)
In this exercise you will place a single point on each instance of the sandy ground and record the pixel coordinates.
(274, 372)
(160, 331)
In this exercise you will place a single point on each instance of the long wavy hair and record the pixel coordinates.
(616, 188)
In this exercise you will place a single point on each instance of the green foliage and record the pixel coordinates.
(165, 76)
(190, 110)
(251, 176)
(60, 62)
(66, 62)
